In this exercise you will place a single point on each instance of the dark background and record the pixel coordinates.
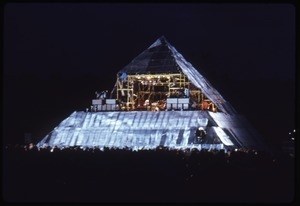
(56, 55)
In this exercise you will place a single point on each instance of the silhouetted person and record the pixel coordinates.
(200, 134)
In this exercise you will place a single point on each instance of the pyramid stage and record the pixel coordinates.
(159, 99)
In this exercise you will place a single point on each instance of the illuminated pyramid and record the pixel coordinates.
(159, 99)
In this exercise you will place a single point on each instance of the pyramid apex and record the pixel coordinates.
(162, 39)
(159, 41)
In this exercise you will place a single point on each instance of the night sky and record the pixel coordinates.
(56, 55)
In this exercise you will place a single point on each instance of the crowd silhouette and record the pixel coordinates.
(161, 175)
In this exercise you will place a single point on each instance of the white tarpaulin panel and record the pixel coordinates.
(144, 129)
(136, 129)
(223, 136)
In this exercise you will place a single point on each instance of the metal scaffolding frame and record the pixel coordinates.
(150, 91)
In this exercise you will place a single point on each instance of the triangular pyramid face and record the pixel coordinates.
(162, 58)
(159, 99)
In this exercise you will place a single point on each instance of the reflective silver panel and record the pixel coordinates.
(149, 129)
